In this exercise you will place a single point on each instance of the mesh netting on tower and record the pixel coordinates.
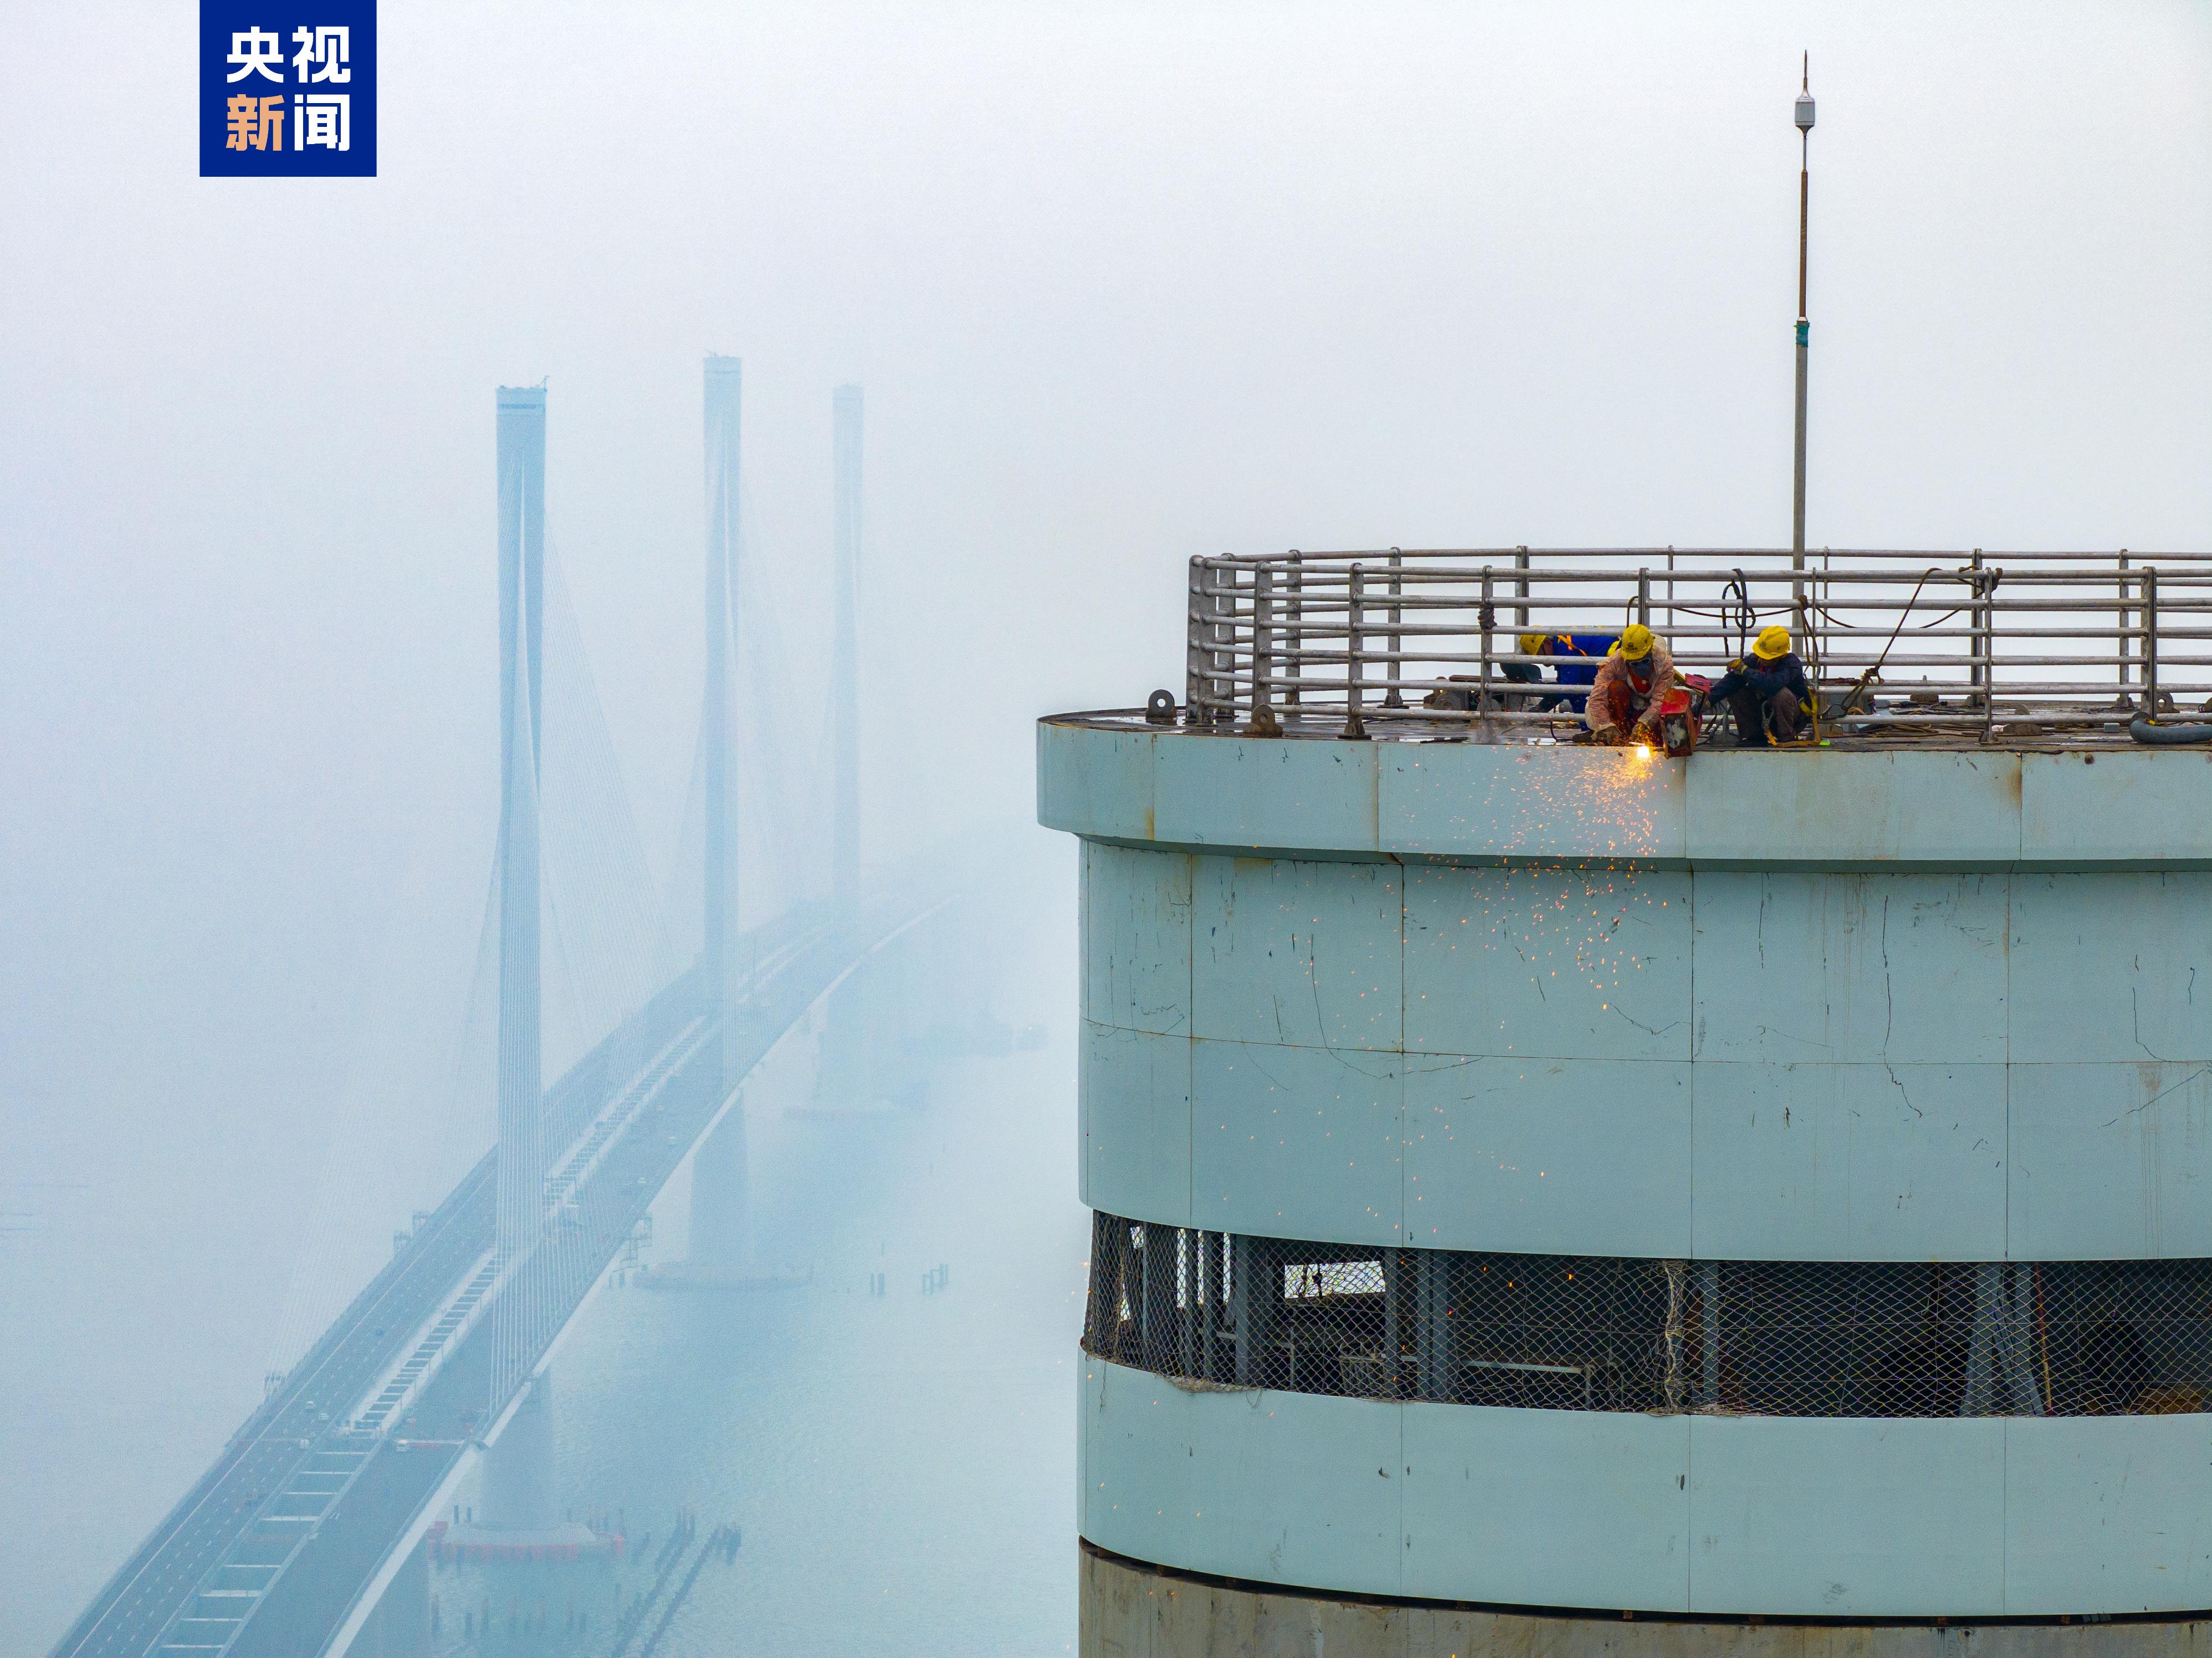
(1589, 1333)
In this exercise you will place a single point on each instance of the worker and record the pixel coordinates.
(1519, 672)
(1627, 695)
(1591, 648)
(1458, 691)
(1772, 703)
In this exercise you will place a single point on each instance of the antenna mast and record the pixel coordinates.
(1804, 116)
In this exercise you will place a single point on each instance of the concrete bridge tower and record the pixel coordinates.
(846, 1079)
(724, 389)
(845, 830)
(521, 449)
(720, 1234)
(518, 1474)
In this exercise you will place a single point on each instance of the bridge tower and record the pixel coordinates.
(513, 1467)
(724, 389)
(720, 1235)
(845, 832)
(521, 449)
(845, 1078)
(518, 1474)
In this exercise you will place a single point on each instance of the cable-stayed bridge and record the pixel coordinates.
(304, 1537)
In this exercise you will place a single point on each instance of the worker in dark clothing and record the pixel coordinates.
(1768, 691)
(1520, 673)
(1593, 648)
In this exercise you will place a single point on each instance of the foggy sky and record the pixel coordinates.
(1124, 284)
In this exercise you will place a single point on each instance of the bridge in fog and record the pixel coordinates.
(306, 1535)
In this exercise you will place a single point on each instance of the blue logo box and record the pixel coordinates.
(288, 89)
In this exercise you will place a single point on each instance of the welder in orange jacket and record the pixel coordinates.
(1627, 702)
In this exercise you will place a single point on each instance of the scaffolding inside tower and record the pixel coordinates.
(1856, 1339)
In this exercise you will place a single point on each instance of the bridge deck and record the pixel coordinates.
(272, 1549)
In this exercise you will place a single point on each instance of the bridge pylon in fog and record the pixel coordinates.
(520, 1462)
(724, 407)
(720, 1240)
(846, 1079)
(521, 460)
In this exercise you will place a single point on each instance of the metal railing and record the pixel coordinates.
(1900, 643)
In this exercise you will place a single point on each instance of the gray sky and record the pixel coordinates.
(1124, 284)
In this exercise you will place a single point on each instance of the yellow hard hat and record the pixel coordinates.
(1532, 645)
(1771, 642)
(1636, 642)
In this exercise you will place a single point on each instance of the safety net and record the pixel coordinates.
(1585, 1332)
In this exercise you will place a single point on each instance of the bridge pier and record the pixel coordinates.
(846, 1075)
(516, 1526)
(721, 1245)
(518, 1468)
(721, 1231)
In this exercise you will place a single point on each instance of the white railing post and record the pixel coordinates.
(1263, 722)
(1394, 698)
(1486, 616)
(1992, 577)
(1355, 728)
(2150, 642)
(1974, 675)
(1221, 702)
(2127, 641)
